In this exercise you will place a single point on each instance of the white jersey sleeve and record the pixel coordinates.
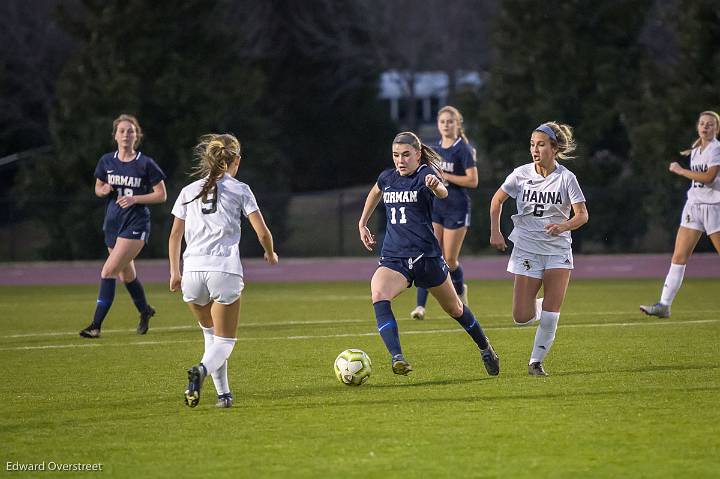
(575, 194)
(248, 203)
(179, 209)
(511, 185)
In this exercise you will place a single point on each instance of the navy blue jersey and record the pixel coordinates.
(408, 207)
(455, 160)
(131, 178)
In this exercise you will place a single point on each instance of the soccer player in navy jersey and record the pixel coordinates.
(451, 215)
(410, 251)
(130, 181)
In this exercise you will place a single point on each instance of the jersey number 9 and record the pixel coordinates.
(209, 204)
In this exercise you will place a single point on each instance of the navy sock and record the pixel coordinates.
(104, 301)
(422, 295)
(387, 327)
(468, 321)
(135, 288)
(458, 279)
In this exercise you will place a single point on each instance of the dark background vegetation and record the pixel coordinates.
(297, 82)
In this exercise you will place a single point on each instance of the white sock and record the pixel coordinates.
(673, 280)
(217, 354)
(544, 336)
(538, 309)
(220, 378)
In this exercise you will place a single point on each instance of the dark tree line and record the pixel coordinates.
(297, 82)
(631, 76)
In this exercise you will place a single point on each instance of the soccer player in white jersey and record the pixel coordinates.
(545, 192)
(701, 213)
(208, 213)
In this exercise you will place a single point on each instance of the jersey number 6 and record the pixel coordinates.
(538, 210)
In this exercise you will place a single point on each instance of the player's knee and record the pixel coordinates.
(379, 296)
(108, 273)
(455, 310)
(452, 263)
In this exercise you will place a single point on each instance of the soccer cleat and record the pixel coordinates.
(400, 366)
(144, 323)
(464, 295)
(224, 401)
(418, 313)
(490, 360)
(658, 309)
(90, 332)
(536, 369)
(196, 376)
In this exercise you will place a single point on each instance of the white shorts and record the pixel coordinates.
(534, 265)
(201, 287)
(701, 217)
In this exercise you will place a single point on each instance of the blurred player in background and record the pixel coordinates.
(208, 214)
(451, 215)
(701, 213)
(130, 181)
(545, 192)
(410, 251)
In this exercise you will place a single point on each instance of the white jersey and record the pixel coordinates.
(541, 201)
(212, 228)
(700, 193)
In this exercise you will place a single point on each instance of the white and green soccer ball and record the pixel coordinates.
(353, 367)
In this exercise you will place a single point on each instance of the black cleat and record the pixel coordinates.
(91, 331)
(144, 323)
(536, 369)
(400, 366)
(491, 360)
(224, 401)
(196, 376)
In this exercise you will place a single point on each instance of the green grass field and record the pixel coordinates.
(627, 396)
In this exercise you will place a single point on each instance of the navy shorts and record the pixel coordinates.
(451, 216)
(138, 230)
(424, 272)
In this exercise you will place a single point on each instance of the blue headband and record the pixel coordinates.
(545, 128)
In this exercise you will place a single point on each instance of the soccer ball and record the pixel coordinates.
(353, 367)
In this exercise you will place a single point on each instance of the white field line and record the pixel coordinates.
(242, 325)
(92, 343)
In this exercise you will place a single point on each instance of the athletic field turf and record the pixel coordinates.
(628, 396)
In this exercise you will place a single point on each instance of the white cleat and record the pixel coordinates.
(418, 313)
(658, 309)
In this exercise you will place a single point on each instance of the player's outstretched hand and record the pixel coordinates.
(271, 258)
(675, 167)
(497, 241)
(367, 238)
(175, 280)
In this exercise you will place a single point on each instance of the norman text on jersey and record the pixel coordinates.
(400, 197)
